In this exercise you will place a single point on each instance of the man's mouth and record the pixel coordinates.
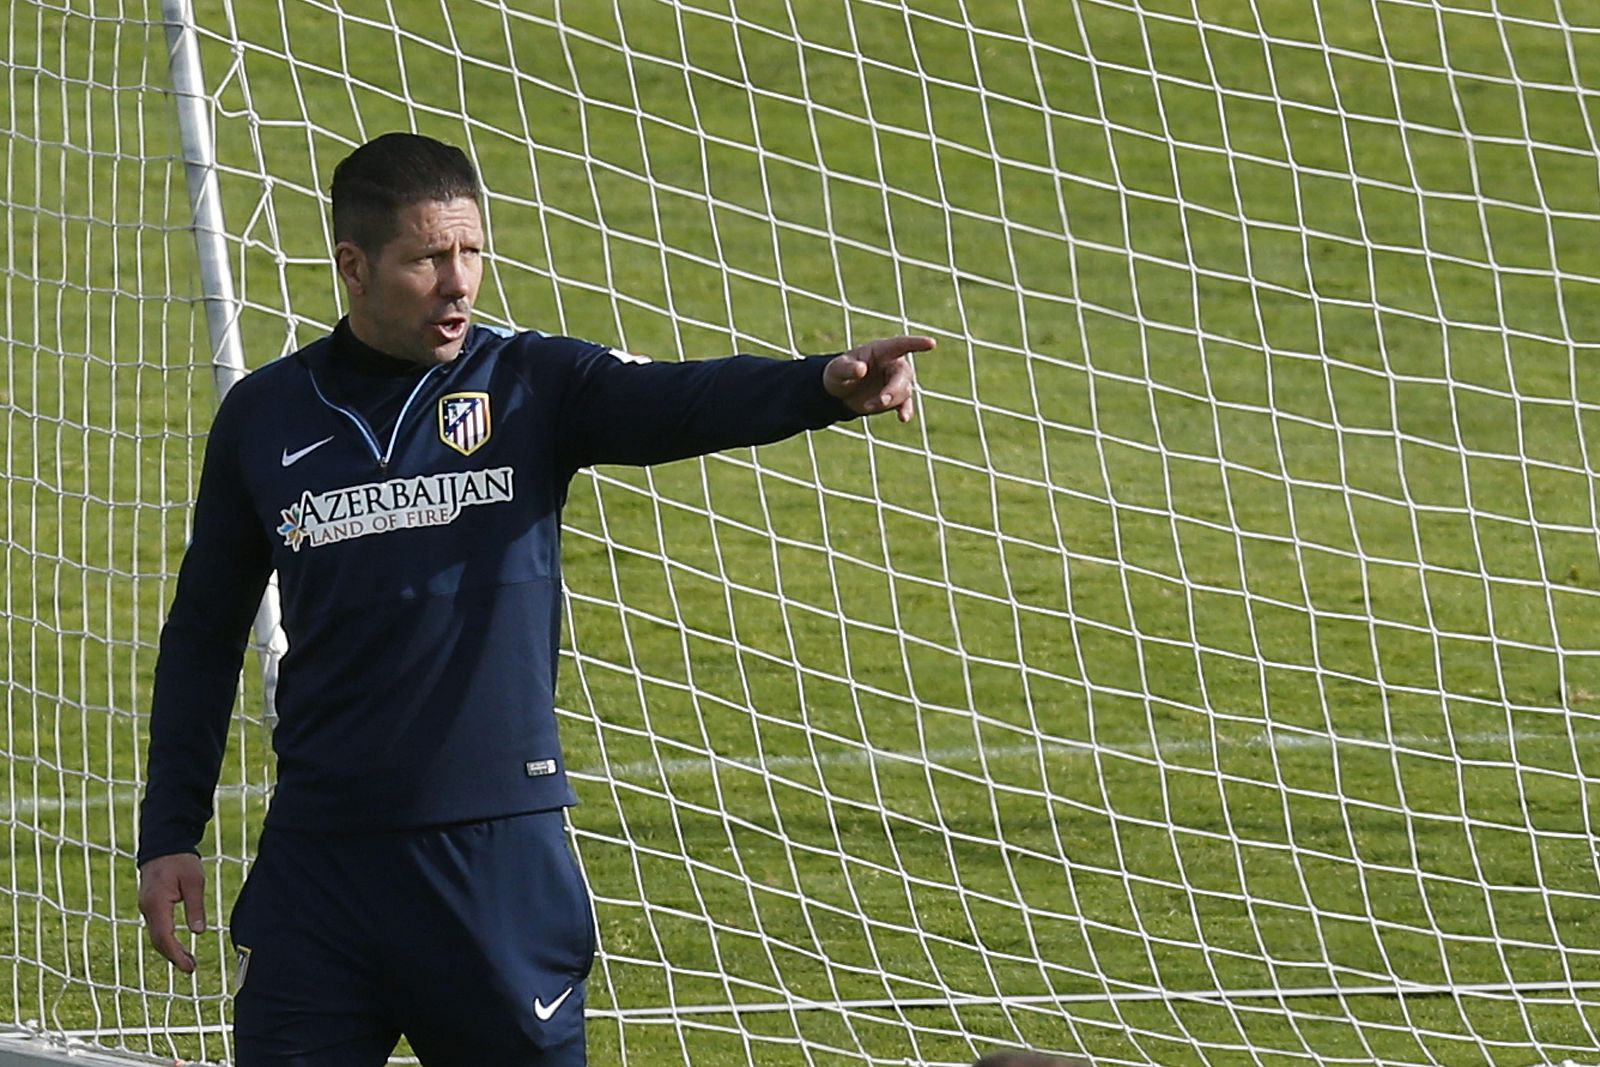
(450, 328)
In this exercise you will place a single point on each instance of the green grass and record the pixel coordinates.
(1225, 623)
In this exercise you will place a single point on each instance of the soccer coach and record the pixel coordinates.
(404, 476)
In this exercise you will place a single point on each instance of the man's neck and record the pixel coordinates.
(361, 357)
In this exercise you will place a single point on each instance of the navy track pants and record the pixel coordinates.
(471, 940)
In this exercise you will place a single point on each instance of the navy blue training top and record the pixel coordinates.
(419, 569)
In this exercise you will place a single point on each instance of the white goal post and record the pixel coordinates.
(1210, 675)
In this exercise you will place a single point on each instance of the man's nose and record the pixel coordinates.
(454, 278)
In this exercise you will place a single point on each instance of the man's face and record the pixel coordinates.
(413, 298)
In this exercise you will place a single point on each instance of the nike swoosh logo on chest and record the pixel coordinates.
(291, 458)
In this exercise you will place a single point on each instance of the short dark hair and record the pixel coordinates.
(1017, 1058)
(372, 184)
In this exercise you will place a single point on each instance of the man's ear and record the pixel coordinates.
(353, 266)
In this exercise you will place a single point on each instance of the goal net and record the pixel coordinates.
(1211, 675)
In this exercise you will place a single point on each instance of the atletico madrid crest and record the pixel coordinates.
(464, 421)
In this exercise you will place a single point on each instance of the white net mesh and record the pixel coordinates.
(1210, 676)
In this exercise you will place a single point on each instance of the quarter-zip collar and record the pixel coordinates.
(363, 385)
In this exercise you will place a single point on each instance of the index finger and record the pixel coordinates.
(890, 348)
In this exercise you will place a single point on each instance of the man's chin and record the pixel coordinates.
(447, 347)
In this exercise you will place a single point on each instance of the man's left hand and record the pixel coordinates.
(877, 376)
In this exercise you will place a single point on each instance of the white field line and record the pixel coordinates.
(651, 770)
(101, 793)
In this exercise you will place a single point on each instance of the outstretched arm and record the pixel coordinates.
(623, 409)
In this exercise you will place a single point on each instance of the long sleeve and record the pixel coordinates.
(618, 409)
(220, 582)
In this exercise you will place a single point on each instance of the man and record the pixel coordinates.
(404, 476)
